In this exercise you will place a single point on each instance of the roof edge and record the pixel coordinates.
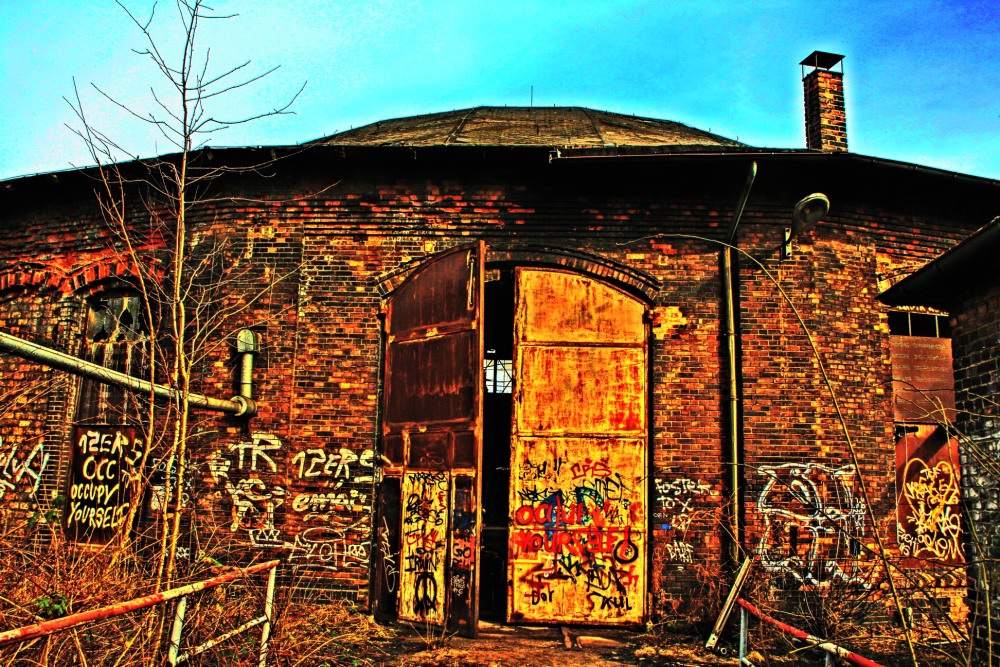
(931, 285)
(554, 154)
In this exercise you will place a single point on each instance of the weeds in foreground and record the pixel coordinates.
(42, 576)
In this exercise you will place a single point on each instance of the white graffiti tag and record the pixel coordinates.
(247, 473)
(674, 511)
(258, 447)
(328, 548)
(813, 523)
(318, 463)
(24, 473)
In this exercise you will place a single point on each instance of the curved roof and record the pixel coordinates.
(570, 127)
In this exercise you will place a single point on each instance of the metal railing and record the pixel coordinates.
(174, 655)
(833, 652)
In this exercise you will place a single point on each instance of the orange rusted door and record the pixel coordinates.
(427, 532)
(577, 549)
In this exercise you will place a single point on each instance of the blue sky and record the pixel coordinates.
(922, 78)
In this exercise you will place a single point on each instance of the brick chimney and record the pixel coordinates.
(826, 121)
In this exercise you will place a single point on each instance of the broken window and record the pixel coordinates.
(497, 372)
(107, 441)
(117, 338)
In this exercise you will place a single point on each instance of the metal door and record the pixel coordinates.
(428, 524)
(577, 548)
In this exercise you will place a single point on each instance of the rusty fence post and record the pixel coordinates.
(173, 652)
(265, 632)
(744, 628)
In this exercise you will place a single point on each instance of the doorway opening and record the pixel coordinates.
(514, 442)
(498, 354)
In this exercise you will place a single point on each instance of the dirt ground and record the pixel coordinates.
(527, 646)
(532, 646)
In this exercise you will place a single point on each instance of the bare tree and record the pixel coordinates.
(182, 310)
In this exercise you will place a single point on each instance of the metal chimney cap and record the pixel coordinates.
(821, 60)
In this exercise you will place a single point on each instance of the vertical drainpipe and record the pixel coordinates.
(730, 285)
(247, 345)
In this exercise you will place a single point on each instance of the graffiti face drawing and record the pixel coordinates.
(813, 523)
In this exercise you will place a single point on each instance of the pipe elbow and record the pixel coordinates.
(247, 407)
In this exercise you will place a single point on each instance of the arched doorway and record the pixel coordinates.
(572, 533)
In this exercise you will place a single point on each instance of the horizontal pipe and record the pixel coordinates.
(56, 625)
(829, 647)
(238, 405)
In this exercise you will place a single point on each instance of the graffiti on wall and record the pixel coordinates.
(321, 490)
(330, 548)
(331, 472)
(423, 545)
(246, 472)
(928, 496)
(928, 514)
(389, 564)
(329, 540)
(163, 476)
(675, 509)
(814, 521)
(21, 472)
(578, 534)
(103, 482)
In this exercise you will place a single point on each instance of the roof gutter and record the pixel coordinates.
(561, 155)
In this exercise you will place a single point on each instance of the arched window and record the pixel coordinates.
(117, 337)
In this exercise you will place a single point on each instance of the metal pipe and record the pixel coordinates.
(265, 633)
(173, 652)
(246, 347)
(65, 623)
(732, 399)
(744, 628)
(829, 647)
(733, 396)
(238, 406)
(212, 643)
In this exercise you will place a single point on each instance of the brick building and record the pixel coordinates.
(543, 364)
(964, 282)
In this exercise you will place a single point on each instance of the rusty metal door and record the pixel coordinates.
(577, 548)
(428, 524)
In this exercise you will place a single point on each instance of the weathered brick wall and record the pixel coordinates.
(975, 332)
(807, 505)
(47, 257)
(306, 268)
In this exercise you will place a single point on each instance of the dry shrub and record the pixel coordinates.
(327, 634)
(43, 576)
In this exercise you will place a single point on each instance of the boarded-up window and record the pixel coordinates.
(928, 508)
(101, 485)
(107, 442)
(928, 511)
(923, 381)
